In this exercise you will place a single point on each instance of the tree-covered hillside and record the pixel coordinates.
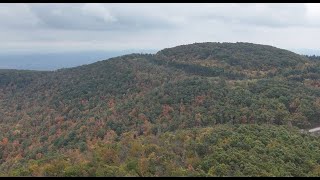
(151, 97)
(222, 150)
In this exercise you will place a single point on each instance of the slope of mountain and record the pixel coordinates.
(152, 97)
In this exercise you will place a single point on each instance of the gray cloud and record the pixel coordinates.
(98, 17)
(267, 15)
(77, 27)
(72, 16)
(135, 16)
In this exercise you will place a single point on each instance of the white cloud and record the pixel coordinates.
(98, 11)
(313, 13)
(15, 16)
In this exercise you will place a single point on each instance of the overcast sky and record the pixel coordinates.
(79, 27)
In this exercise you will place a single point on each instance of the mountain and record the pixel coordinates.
(244, 55)
(118, 115)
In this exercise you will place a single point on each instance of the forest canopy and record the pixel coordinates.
(203, 109)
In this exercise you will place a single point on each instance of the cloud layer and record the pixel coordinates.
(76, 27)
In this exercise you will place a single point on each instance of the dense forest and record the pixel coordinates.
(204, 109)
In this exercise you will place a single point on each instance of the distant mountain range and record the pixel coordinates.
(309, 52)
(54, 61)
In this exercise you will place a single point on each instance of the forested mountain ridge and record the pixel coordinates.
(148, 96)
(245, 55)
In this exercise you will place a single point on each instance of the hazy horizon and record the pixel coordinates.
(48, 61)
(57, 60)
